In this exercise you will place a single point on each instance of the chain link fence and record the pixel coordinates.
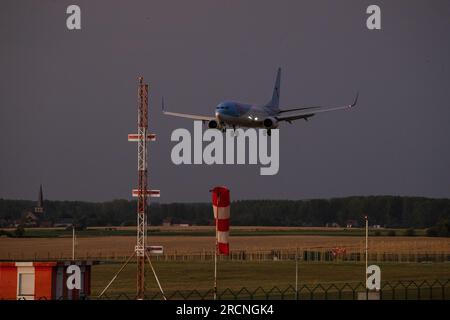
(314, 256)
(393, 290)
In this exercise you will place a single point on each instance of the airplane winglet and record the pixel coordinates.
(356, 100)
(162, 103)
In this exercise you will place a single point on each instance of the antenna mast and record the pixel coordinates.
(142, 192)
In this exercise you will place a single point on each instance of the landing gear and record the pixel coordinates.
(223, 127)
(234, 133)
(269, 132)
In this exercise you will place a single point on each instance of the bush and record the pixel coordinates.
(391, 233)
(442, 229)
(377, 233)
(129, 223)
(20, 231)
(410, 232)
(4, 233)
(432, 232)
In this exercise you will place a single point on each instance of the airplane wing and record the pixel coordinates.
(307, 112)
(185, 115)
(189, 116)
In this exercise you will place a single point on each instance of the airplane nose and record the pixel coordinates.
(218, 114)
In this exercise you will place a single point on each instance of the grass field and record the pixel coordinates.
(209, 231)
(43, 248)
(235, 275)
(54, 243)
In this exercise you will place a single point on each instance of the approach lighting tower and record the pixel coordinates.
(142, 192)
(141, 250)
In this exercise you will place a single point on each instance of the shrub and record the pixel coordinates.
(129, 223)
(442, 229)
(410, 232)
(391, 233)
(377, 233)
(3, 233)
(20, 231)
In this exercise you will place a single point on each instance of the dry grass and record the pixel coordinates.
(27, 248)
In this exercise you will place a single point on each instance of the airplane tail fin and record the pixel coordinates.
(275, 101)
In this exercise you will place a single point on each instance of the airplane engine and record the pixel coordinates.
(212, 124)
(270, 123)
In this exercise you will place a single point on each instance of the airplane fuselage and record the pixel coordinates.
(237, 114)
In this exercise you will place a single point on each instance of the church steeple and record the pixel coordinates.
(41, 197)
(40, 203)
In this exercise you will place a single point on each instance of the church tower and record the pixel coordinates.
(40, 203)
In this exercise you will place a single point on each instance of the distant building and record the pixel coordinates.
(352, 224)
(36, 217)
(332, 225)
(29, 219)
(182, 225)
(167, 222)
(63, 223)
(39, 209)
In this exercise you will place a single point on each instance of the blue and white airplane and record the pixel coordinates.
(236, 114)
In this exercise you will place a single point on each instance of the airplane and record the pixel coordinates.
(236, 114)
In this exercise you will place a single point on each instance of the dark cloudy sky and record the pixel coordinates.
(68, 98)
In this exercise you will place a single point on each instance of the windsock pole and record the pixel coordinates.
(73, 242)
(367, 246)
(215, 254)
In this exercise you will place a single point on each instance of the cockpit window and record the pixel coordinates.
(224, 106)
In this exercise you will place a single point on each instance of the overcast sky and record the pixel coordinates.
(68, 98)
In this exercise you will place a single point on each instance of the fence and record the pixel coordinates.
(304, 255)
(398, 290)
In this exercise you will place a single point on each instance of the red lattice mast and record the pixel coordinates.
(142, 192)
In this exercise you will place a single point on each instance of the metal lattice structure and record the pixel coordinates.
(142, 192)
(142, 186)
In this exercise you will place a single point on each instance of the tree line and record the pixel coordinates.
(389, 211)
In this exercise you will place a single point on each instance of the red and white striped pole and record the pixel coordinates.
(221, 208)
